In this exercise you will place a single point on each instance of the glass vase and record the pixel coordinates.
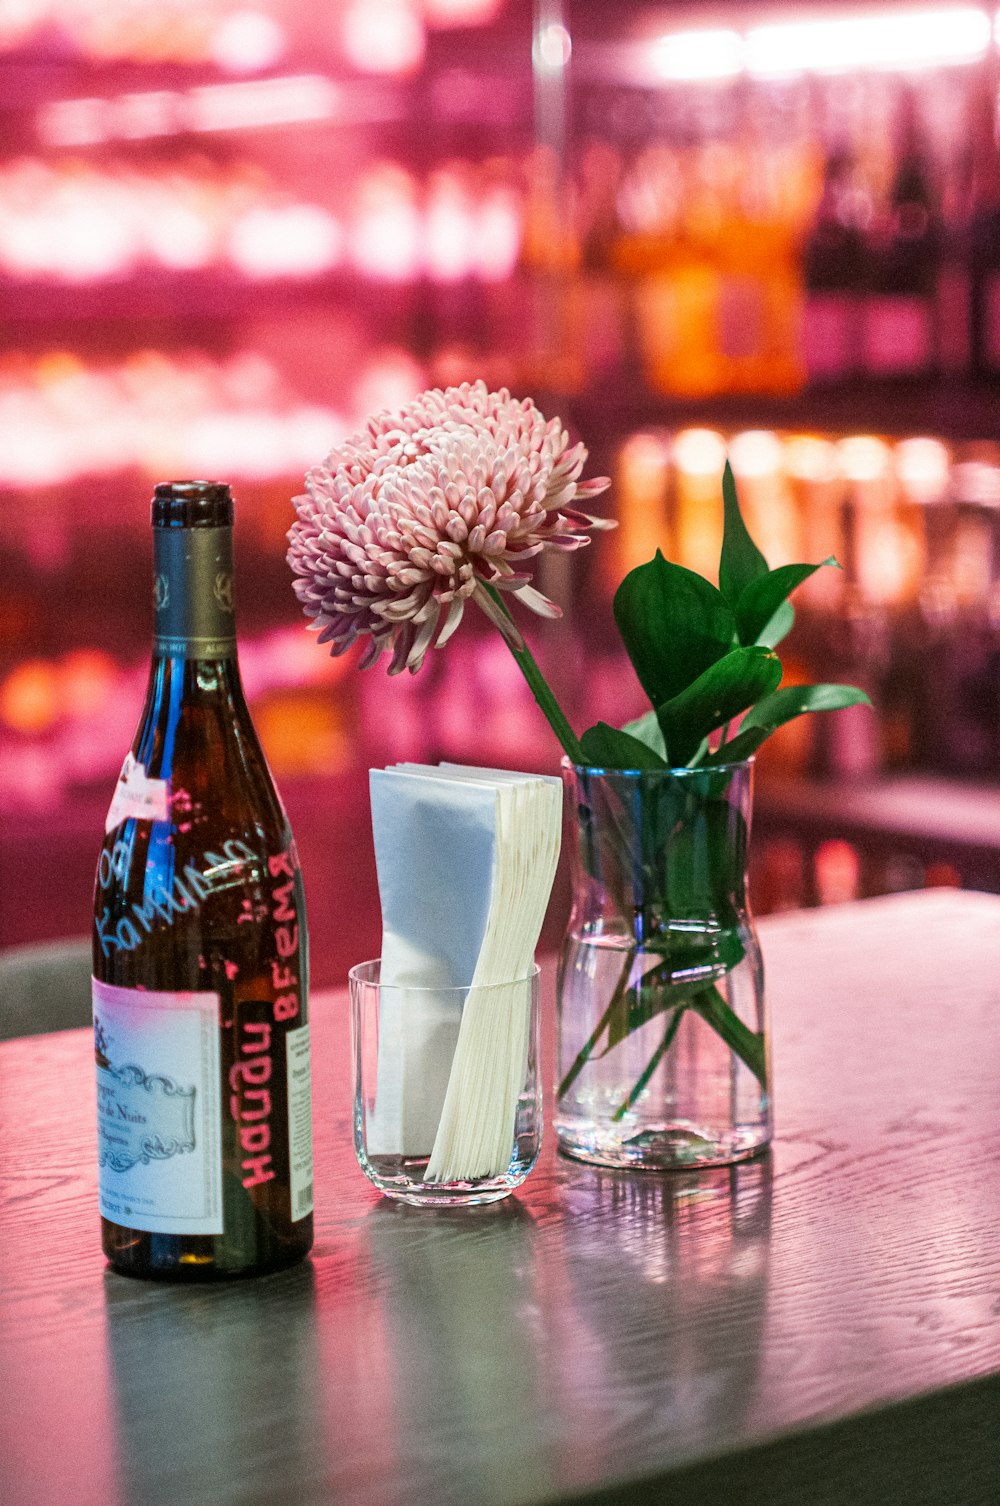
(661, 1039)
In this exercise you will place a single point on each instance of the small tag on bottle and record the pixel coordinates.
(137, 796)
(300, 1153)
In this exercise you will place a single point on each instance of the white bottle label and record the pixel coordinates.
(898, 335)
(300, 1153)
(138, 796)
(158, 1115)
(828, 334)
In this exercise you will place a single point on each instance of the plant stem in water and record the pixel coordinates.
(652, 1064)
(584, 1054)
(747, 1045)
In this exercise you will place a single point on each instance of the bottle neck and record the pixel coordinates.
(193, 593)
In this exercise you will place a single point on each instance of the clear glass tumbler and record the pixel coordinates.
(447, 1098)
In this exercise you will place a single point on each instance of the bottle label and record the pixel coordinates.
(158, 1117)
(137, 796)
(300, 1153)
(898, 335)
(829, 335)
(193, 593)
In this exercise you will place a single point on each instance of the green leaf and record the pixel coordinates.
(607, 747)
(725, 689)
(705, 862)
(699, 752)
(747, 1044)
(674, 624)
(741, 562)
(646, 1075)
(673, 983)
(761, 599)
(642, 1003)
(737, 748)
(774, 710)
(779, 627)
(647, 730)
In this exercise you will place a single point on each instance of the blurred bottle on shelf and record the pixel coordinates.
(958, 687)
(669, 226)
(761, 283)
(601, 313)
(901, 872)
(900, 327)
(776, 524)
(778, 879)
(834, 269)
(815, 486)
(709, 238)
(766, 499)
(812, 475)
(920, 470)
(985, 292)
(837, 872)
(984, 229)
(551, 358)
(883, 557)
(699, 456)
(641, 492)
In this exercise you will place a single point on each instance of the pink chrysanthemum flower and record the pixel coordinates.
(437, 504)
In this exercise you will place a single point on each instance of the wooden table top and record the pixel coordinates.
(820, 1326)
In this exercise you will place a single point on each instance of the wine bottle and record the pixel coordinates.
(834, 268)
(900, 332)
(200, 949)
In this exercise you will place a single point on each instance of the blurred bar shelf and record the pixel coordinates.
(956, 408)
(929, 818)
(186, 296)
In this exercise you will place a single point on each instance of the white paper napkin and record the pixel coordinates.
(465, 858)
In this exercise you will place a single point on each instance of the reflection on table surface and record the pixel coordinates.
(598, 1326)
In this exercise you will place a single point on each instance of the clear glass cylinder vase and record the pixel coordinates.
(662, 1049)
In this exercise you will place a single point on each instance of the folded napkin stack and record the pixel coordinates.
(466, 858)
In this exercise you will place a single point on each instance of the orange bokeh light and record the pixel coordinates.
(30, 696)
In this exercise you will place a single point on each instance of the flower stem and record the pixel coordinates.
(543, 695)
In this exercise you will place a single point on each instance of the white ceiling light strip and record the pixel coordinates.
(886, 39)
(881, 40)
(699, 55)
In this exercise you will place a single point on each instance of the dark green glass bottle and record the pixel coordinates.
(200, 949)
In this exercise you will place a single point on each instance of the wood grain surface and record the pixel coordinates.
(819, 1326)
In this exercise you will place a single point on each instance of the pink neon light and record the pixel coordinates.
(299, 240)
(385, 233)
(461, 12)
(448, 233)
(383, 36)
(247, 40)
